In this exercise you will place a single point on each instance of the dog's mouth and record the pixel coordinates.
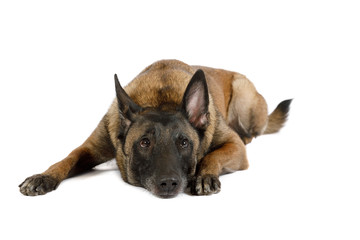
(167, 195)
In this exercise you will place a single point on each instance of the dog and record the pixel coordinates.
(174, 128)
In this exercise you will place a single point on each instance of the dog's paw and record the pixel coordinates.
(38, 185)
(205, 185)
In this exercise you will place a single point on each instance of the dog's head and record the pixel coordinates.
(160, 148)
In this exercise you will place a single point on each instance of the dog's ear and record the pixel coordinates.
(196, 101)
(127, 107)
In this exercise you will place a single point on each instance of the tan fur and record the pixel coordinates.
(276, 121)
(237, 114)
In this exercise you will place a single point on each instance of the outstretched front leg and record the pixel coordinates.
(229, 156)
(95, 150)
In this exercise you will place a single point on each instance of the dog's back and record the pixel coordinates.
(161, 84)
(234, 96)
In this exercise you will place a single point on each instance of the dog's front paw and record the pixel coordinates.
(38, 185)
(205, 185)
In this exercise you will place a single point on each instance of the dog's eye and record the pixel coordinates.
(145, 143)
(184, 143)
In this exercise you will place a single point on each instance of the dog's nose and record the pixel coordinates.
(168, 186)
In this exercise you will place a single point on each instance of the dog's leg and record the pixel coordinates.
(247, 111)
(229, 156)
(95, 150)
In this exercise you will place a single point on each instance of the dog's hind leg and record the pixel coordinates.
(247, 111)
(95, 150)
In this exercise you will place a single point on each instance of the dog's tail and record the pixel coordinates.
(278, 117)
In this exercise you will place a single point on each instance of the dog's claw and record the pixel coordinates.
(206, 185)
(38, 185)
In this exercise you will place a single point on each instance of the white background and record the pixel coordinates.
(57, 61)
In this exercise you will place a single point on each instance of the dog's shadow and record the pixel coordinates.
(100, 169)
(111, 166)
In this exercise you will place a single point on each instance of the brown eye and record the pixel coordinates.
(145, 143)
(184, 143)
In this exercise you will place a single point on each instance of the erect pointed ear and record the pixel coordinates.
(196, 101)
(127, 107)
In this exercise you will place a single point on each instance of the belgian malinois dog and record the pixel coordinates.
(175, 127)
